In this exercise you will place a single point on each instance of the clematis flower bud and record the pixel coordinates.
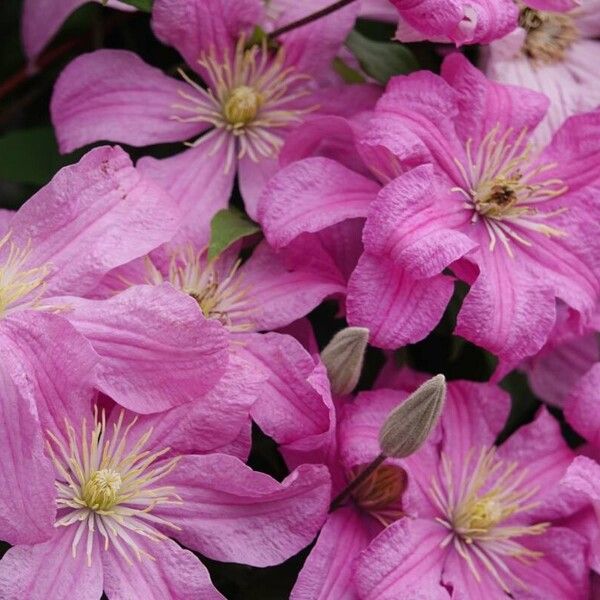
(409, 425)
(343, 357)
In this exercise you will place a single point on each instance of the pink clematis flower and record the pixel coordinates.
(476, 521)
(236, 121)
(113, 488)
(41, 20)
(553, 53)
(506, 218)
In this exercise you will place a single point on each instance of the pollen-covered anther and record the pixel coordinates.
(242, 106)
(548, 34)
(480, 500)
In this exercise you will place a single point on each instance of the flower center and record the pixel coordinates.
(381, 494)
(108, 485)
(480, 505)
(252, 97)
(242, 106)
(101, 490)
(549, 34)
(19, 286)
(217, 288)
(504, 186)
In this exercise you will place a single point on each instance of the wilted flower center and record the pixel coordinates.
(503, 185)
(19, 286)
(242, 106)
(107, 485)
(381, 494)
(478, 501)
(217, 288)
(253, 96)
(549, 34)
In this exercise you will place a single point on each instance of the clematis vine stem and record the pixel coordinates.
(364, 475)
(310, 18)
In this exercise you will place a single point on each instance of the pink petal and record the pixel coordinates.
(253, 177)
(474, 415)
(556, 5)
(46, 370)
(397, 308)
(328, 570)
(312, 194)
(312, 48)
(581, 406)
(92, 217)
(561, 573)
(211, 422)
(344, 100)
(6, 217)
(157, 350)
(197, 26)
(49, 570)
(407, 225)
(403, 562)
(507, 310)
(280, 295)
(197, 181)
(556, 369)
(484, 104)
(114, 95)
(231, 513)
(540, 449)
(574, 150)
(293, 403)
(174, 573)
(583, 476)
(42, 19)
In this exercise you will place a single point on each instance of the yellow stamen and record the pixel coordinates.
(110, 487)
(477, 504)
(501, 184)
(249, 99)
(19, 285)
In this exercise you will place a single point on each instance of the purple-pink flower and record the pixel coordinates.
(110, 488)
(465, 194)
(553, 53)
(236, 122)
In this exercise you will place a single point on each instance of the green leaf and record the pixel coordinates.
(145, 5)
(228, 226)
(381, 60)
(31, 156)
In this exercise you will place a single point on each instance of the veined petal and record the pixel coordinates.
(396, 308)
(157, 350)
(280, 295)
(114, 95)
(198, 182)
(231, 513)
(312, 194)
(581, 406)
(404, 561)
(31, 346)
(196, 26)
(293, 403)
(173, 573)
(327, 572)
(92, 217)
(49, 570)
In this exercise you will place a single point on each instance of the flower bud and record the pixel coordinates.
(409, 425)
(344, 356)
